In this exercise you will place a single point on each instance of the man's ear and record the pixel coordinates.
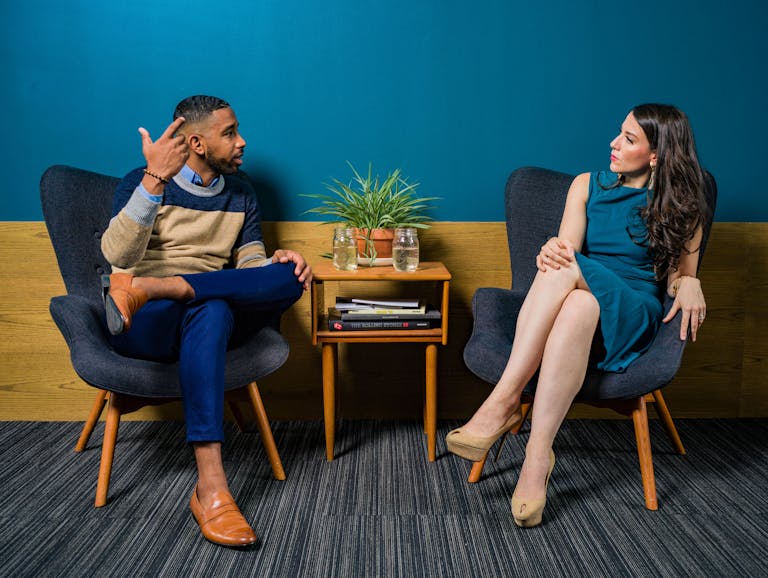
(196, 143)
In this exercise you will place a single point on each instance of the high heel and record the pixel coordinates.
(473, 447)
(121, 301)
(527, 513)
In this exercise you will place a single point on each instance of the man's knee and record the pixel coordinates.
(289, 283)
(213, 313)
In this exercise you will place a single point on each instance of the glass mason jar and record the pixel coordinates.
(344, 249)
(405, 249)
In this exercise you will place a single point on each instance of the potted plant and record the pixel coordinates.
(374, 207)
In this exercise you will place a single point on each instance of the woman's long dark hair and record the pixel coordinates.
(676, 206)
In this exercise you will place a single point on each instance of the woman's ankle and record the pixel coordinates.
(490, 419)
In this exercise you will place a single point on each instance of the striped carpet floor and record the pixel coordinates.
(381, 509)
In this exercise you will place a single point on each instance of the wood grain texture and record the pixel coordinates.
(724, 374)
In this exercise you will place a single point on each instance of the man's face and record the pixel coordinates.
(223, 145)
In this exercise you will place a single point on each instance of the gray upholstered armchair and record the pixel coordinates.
(77, 206)
(535, 199)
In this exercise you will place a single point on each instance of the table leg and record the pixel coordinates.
(430, 404)
(329, 396)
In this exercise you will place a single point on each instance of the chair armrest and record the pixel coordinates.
(662, 360)
(495, 314)
(652, 370)
(78, 319)
(496, 310)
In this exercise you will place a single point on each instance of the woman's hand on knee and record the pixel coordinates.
(555, 253)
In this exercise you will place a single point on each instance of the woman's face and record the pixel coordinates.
(631, 153)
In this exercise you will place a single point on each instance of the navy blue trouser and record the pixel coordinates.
(198, 332)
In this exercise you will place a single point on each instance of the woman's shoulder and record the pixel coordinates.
(580, 187)
(597, 178)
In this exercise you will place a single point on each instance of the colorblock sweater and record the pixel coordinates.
(189, 229)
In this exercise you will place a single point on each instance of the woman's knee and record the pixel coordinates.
(564, 276)
(580, 305)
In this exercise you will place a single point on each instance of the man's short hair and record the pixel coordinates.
(197, 108)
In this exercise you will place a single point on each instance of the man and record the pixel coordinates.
(188, 261)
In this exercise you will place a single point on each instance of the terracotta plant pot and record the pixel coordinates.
(382, 243)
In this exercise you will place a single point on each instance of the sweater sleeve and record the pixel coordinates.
(249, 250)
(127, 236)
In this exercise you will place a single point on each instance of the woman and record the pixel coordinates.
(625, 236)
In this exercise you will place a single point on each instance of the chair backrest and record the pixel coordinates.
(535, 200)
(77, 206)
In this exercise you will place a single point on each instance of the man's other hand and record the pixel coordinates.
(302, 270)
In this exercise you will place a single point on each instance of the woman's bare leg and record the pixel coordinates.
(563, 367)
(537, 317)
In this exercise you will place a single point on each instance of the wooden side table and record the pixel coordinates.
(427, 271)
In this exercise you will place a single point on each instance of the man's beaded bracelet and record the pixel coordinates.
(158, 177)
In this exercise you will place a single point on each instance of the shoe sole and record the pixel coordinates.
(115, 321)
(470, 453)
(223, 544)
(531, 523)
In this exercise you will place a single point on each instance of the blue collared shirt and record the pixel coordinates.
(196, 179)
(186, 173)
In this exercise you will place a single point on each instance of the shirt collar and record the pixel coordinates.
(196, 179)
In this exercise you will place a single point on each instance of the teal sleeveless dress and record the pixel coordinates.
(615, 263)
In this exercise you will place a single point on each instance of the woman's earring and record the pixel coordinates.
(652, 178)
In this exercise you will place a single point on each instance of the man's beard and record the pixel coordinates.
(220, 165)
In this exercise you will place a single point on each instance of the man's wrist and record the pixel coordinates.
(155, 195)
(156, 176)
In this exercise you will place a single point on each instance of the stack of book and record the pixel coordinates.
(375, 314)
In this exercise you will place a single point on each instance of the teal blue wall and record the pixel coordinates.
(456, 93)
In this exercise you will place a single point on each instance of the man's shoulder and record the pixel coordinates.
(240, 182)
(130, 181)
(134, 173)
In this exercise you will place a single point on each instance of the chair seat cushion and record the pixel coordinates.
(81, 323)
(487, 351)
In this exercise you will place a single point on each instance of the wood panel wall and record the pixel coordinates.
(725, 374)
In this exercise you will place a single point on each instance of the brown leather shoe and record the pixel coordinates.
(121, 301)
(223, 523)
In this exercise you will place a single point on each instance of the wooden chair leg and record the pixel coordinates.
(643, 437)
(477, 471)
(666, 418)
(108, 449)
(266, 432)
(237, 415)
(93, 418)
(525, 409)
(477, 468)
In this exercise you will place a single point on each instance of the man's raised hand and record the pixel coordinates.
(167, 155)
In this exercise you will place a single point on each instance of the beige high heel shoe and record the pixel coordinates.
(473, 447)
(527, 513)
